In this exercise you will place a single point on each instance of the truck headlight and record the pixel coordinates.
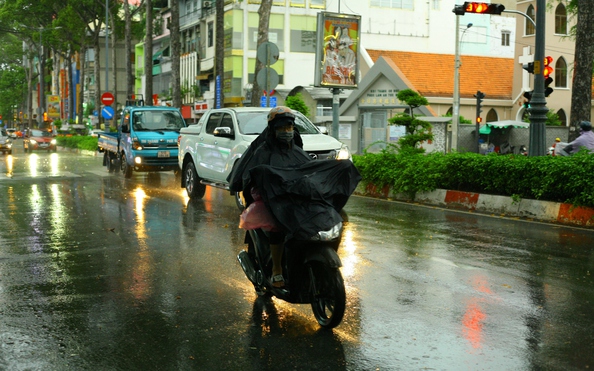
(136, 145)
(33, 141)
(344, 153)
(54, 142)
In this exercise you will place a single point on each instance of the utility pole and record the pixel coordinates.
(538, 104)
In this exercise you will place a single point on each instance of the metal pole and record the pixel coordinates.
(106, 46)
(335, 106)
(538, 104)
(456, 107)
(40, 90)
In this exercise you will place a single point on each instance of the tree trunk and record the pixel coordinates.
(175, 55)
(97, 72)
(148, 55)
(81, 84)
(220, 54)
(581, 97)
(128, 41)
(114, 67)
(264, 12)
(30, 92)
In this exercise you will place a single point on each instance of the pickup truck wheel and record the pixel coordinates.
(126, 169)
(194, 188)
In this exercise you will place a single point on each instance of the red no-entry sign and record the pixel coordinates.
(107, 98)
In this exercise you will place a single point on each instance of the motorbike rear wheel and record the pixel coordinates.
(328, 295)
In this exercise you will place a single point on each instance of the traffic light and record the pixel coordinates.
(548, 69)
(45, 116)
(478, 8)
(529, 67)
(527, 96)
(547, 89)
(479, 103)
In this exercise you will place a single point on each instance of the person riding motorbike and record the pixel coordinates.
(278, 145)
(586, 140)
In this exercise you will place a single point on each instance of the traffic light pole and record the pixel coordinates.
(538, 104)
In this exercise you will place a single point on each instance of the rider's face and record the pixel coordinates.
(285, 128)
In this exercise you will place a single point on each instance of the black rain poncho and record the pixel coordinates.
(306, 199)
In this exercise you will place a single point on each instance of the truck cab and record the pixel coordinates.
(146, 139)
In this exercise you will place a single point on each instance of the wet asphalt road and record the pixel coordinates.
(98, 272)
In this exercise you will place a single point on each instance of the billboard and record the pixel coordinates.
(53, 106)
(337, 50)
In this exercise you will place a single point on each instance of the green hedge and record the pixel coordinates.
(78, 141)
(557, 179)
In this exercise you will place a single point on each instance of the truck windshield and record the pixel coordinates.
(157, 121)
(253, 123)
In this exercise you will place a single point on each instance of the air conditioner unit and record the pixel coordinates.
(206, 4)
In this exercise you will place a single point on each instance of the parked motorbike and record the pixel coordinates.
(311, 269)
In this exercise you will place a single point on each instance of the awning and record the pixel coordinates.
(486, 129)
(161, 52)
(202, 77)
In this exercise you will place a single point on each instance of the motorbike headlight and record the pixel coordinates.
(329, 235)
(344, 153)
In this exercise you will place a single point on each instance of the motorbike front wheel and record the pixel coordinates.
(328, 295)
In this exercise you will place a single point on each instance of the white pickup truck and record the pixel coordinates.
(209, 149)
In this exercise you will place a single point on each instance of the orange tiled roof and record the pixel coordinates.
(432, 75)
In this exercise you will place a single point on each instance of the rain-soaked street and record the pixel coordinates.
(98, 272)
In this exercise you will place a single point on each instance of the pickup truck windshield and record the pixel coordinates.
(157, 121)
(255, 122)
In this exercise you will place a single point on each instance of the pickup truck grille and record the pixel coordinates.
(157, 145)
(322, 155)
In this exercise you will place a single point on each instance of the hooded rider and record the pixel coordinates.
(279, 145)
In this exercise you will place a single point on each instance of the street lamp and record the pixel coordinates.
(456, 106)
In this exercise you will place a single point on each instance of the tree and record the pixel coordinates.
(148, 54)
(175, 55)
(417, 131)
(296, 103)
(263, 25)
(581, 95)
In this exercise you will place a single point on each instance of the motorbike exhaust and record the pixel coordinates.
(247, 265)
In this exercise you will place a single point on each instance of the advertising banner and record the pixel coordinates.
(337, 50)
(53, 107)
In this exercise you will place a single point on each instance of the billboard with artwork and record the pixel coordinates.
(53, 107)
(337, 50)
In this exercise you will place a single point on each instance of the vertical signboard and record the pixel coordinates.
(337, 50)
(53, 107)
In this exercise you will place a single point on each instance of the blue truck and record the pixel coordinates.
(146, 140)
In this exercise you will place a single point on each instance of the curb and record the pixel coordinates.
(545, 211)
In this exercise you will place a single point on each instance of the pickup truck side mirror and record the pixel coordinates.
(223, 131)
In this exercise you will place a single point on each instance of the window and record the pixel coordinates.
(505, 38)
(213, 122)
(561, 73)
(397, 4)
(561, 20)
(529, 26)
(303, 34)
(562, 117)
(210, 34)
(435, 4)
(318, 4)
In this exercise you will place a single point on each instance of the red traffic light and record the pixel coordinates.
(483, 8)
(547, 66)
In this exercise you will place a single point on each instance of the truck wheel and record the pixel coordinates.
(126, 168)
(194, 188)
(107, 160)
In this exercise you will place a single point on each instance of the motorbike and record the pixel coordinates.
(311, 269)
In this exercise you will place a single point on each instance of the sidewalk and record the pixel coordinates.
(545, 211)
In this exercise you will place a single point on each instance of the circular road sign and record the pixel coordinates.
(267, 78)
(107, 98)
(267, 53)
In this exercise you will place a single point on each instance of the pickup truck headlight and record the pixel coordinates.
(33, 141)
(53, 142)
(136, 144)
(344, 153)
